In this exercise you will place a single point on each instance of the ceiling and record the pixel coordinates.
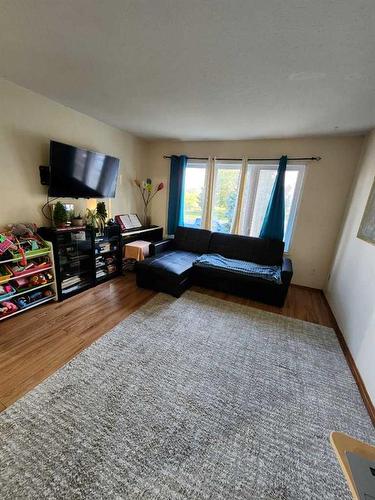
(199, 69)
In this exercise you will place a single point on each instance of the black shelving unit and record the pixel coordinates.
(77, 253)
(73, 251)
(108, 254)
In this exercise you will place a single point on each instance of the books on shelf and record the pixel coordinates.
(68, 282)
(100, 273)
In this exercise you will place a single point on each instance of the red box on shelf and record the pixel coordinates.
(31, 269)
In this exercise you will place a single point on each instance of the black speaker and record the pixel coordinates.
(44, 175)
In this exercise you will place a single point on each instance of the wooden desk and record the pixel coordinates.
(342, 443)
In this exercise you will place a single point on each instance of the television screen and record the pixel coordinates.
(78, 173)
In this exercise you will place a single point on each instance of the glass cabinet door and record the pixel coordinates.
(75, 260)
(107, 257)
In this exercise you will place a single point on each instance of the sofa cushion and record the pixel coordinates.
(172, 263)
(192, 240)
(258, 250)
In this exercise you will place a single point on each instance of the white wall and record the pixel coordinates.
(327, 185)
(351, 287)
(27, 122)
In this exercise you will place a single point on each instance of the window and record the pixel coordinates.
(225, 194)
(225, 179)
(259, 183)
(195, 193)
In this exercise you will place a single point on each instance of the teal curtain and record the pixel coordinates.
(273, 224)
(176, 193)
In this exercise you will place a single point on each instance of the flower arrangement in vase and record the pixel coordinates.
(147, 192)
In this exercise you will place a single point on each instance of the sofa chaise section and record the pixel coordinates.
(169, 269)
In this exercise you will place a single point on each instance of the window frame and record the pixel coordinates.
(193, 163)
(225, 165)
(252, 181)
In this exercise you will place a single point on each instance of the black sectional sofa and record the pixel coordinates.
(170, 268)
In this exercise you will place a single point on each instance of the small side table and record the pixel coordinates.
(342, 443)
(137, 250)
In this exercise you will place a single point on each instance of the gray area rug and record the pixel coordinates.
(190, 398)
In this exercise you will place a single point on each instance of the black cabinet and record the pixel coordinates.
(108, 254)
(83, 258)
(73, 251)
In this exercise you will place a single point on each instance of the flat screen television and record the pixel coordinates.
(79, 173)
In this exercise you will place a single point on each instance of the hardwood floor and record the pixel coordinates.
(303, 303)
(35, 344)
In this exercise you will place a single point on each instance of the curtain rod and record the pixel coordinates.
(310, 158)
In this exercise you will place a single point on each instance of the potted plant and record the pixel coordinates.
(101, 211)
(94, 219)
(77, 220)
(147, 192)
(60, 215)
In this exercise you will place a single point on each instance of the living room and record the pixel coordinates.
(223, 343)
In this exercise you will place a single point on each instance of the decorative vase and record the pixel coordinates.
(146, 218)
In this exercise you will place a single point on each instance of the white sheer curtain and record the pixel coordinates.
(209, 195)
(236, 224)
(210, 182)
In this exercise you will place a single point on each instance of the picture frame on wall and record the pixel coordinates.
(366, 230)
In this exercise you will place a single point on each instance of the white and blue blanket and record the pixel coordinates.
(216, 261)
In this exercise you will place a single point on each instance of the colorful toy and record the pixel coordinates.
(21, 283)
(6, 244)
(27, 230)
(35, 296)
(37, 280)
(5, 274)
(34, 280)
(6, 292)
(26, 282)
(26, 241)
(48, 276)
(5, 289)
(7, 308)
(22, 253)
(27, 299)
(21, 302)
(35, 264)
